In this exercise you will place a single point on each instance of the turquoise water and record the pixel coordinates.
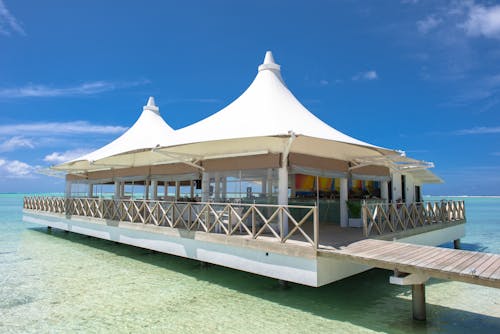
(59, 283)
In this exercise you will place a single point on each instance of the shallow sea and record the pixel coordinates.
(52, 282)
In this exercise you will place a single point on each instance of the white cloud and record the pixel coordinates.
(479, 130)
(16, 169)
(369, 75)
(15, 143)
(483, 21)
(323, 82)
(88, 88)
(8, 23)
(428, 24)
(60, 157)
(59, 128)
(192, 100)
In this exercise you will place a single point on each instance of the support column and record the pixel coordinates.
(410, 189)
(191, 189)
(264, 186)
(269, 191)
(117, 190)
(67, 190)
(396, 187)
(177, 190)
(384, 190)
(224, 187)
(154, 188)
(217, 188)
(418, 301)
(122, 190)
(205, 187)
(283, 193)
(90, 192)
(344, 193)
(146, 189)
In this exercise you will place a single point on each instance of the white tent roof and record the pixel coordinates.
(266, 108)
(266, 118)
(149, 131)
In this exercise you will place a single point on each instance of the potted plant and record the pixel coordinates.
(354, 209)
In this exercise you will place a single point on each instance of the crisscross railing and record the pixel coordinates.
(257, 221)
(382, 218)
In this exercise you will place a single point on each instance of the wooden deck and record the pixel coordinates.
(426, 261)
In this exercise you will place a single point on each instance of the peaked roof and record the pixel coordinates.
(148, 131)
(266, 108)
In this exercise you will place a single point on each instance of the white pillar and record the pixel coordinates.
(224, 187)
(121, 193)
(177, 190)
(344, 193)
(269, 182)
(264, 186)
(384, 190)
(283, 193)
(117, 190)
(217, 187)
(410, 189)
(191, 189)
(396, 187)
(90, 191)
(154, 188)
(146, 189)
(67, 191)
(205, 187)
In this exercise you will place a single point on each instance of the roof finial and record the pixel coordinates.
(269, 59)
(151, 106)
(269, 63)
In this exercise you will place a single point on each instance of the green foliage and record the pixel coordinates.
(354, 208)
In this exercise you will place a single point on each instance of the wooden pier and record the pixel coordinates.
(415, 264)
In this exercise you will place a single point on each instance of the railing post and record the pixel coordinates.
(254, 228)
(364, 218)
(316, 227)
(282, 232)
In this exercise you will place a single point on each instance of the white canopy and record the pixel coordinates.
(266, 118)
(263, 119)
(150, 130)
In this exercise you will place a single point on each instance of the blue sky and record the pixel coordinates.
(420, 76)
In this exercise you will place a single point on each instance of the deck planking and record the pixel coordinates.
(444, 263)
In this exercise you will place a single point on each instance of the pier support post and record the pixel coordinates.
(418, 301)
(417, 282)
(456, 243)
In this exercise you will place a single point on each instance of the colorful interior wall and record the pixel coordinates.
(305, 186)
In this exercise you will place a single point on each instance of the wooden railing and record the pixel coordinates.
(383, 218)
(278, 222)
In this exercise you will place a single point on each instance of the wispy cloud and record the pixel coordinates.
(469, 17)
(428, 24)
(17, 169)
(16, 142)
(191, 100)
(8, 23)
(88, 88)
(479, 130)
(60, 157)
(58, 128)
(368, 75)
(483, 21)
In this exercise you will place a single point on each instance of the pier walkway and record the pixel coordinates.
(415, 264)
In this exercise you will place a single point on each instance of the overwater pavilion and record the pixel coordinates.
(260, 185)
(265, 147)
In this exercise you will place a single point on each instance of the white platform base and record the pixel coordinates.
(300, 265)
